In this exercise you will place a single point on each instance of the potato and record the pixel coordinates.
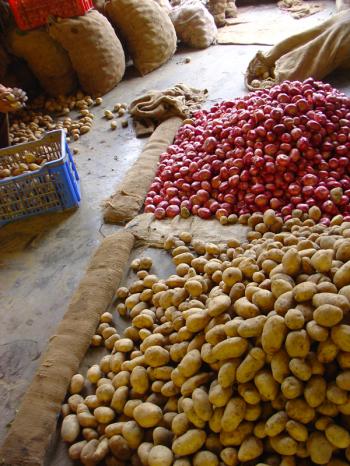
(279, 364)
(334, 299)
(251, 364)
(147, 414)
(266, 385)
(156, 356)
(227, 373)
(316, 331)
(94, 373)
(273, 334)
(75, 450)
(304, 291)
(264, 299)
(231, 348)
(139, 380)
(341, 336)
(231, 276)
(244, 308)
(233, 415)
(280, 286)
(319, 448)
(284, 302)
(104, 393)
(291, 262)
(300, 369)
(143, 452)
(297, 431)
(284, 445)
(276, 423)
(189, 443)
(218, 305)
(315, 391)
(219, 396)
(294, 319)
(190, 364)
(250, 449)
(342, 276)
(251, 327)
(76, 384)
(343, 380)
(328, 315)
(70, 428)
(249, 393)
(297, 344)
(300, 411)
(201, 404)
(180, 424)
(119, 447)
(160, 455)
(337, 436)
(205, 458)
(322, 260)
(104, 415)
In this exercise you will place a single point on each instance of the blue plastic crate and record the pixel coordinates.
(54, 187)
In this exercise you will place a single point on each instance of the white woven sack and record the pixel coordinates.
(194, 25)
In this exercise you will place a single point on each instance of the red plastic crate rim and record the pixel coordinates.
(30, 14)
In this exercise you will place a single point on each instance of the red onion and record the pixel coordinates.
(283, 148)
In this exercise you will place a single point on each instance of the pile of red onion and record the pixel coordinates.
(283, 148)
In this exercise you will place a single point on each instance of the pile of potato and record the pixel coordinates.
(241, 357)
(48, 114)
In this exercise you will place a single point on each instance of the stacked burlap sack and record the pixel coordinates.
(315, 53)
(87, 50)
(221, 10)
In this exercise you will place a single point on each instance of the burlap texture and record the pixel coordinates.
(29, 435)
(48, 61)
(128, 200)
(315, 52)
(194, 25)
(94, 49)
(179, 100)
(146, 27)
(218, 9)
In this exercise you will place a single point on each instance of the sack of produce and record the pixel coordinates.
(315, 52)
(100, 5)
(48, 61)
(94, 49)
(147, 30)
(165, 4)
(4, 61)
(231, 9)
(218, 9)
(194, 25)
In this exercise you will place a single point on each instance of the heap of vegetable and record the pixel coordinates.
(283, 148)
(241, 357)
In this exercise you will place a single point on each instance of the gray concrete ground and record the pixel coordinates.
(41, 262)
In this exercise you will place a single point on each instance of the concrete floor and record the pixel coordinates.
(42, 261)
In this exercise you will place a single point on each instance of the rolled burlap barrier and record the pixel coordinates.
(126, 203)
(29, 436)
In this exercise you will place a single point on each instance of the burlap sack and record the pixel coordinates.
(48, 61)
(194, 25)
(342, 5)
(100, 5)
(231, 9)
(94, 49)
(218, 9)
(127, 201)
(28, 438)
(147, 30)
(165, 4)
(315, 53)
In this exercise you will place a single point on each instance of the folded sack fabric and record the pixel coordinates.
(156, 106)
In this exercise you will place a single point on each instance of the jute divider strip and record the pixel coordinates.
(126, 202)
(29, 435)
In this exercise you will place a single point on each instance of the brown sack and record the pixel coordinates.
(4, 62)
(48, 61)
(315, 53)
(231, 9)
(218, 9)
(28, 438)
(147, 30)
(126, 203)
(94, 49)
(194, 25)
